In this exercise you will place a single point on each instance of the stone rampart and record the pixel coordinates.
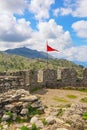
(31, 79)
(69, 76)
(10, 82)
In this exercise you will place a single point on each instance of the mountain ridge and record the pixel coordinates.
(33, 54)
(29, 53)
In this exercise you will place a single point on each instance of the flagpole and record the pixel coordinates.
(47, 53)
(47, 60)
(47, 63)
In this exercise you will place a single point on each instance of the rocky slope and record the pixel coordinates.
(19, 109)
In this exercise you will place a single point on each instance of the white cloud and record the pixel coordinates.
(80, 8)
(13, 6)
(56, 36)
(56, 12)
(80, 27)
(18, 32)
(12, 30)
(40, 8)
(77, 8)
(76, 53)
(65, 11)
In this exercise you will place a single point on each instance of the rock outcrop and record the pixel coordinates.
(18, 103)
(20, 106)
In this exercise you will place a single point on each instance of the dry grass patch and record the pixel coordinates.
(72, 96)
(84, 100)
(59, 99)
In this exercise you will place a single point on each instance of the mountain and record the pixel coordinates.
(12, 62)
(81, 63)
(33, 54)
(28, 53)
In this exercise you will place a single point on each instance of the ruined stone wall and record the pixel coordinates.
(69, 76)
(85, 77)
(49, 75)
(10, 82)
(31, 79)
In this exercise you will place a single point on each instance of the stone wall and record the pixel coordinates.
(69, 76)
(10, 82)
(31, 79)
(49, 75)
(85, 77)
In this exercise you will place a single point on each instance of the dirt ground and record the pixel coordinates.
(57, 97)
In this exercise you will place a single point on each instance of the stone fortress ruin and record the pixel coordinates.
(32, 79)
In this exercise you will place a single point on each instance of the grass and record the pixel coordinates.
(84, 116)
(24, 128)
(83, 90)
(34, 127)
(33, 111)
(20, 120)
(84, 100)
(60, 112)
(72, 96)
(10, 114)
(59, 99)
(44, 121)
(1, 127)
(35, 89)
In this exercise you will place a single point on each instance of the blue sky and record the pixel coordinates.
(30, 23)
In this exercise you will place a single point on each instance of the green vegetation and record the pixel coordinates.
(24, 128)
(10, 114)
(84, 116)
(68, 122)
(44, 121)
(0, 119)
(1, 127)
(84, 100)
(32, 111)
(71, 96)
(60, 112)
(13, 62)
(35, 89)
(34, 127)
(82, 89)
(68, 105)
(20, 120)
(59, 99)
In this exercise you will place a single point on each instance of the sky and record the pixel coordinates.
(33, 23)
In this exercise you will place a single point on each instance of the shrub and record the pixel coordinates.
(34, 127)
(20, 120)
(9, 121)
(44, 121)
(10, 114)
(84, 100)
(24, 128)
(60, 112)
(33, 111)
(84, 116)
(1, 127)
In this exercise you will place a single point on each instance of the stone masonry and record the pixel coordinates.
(30, 79)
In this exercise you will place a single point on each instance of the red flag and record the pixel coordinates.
(50, 48)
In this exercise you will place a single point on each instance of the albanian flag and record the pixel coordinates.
(50, 48)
